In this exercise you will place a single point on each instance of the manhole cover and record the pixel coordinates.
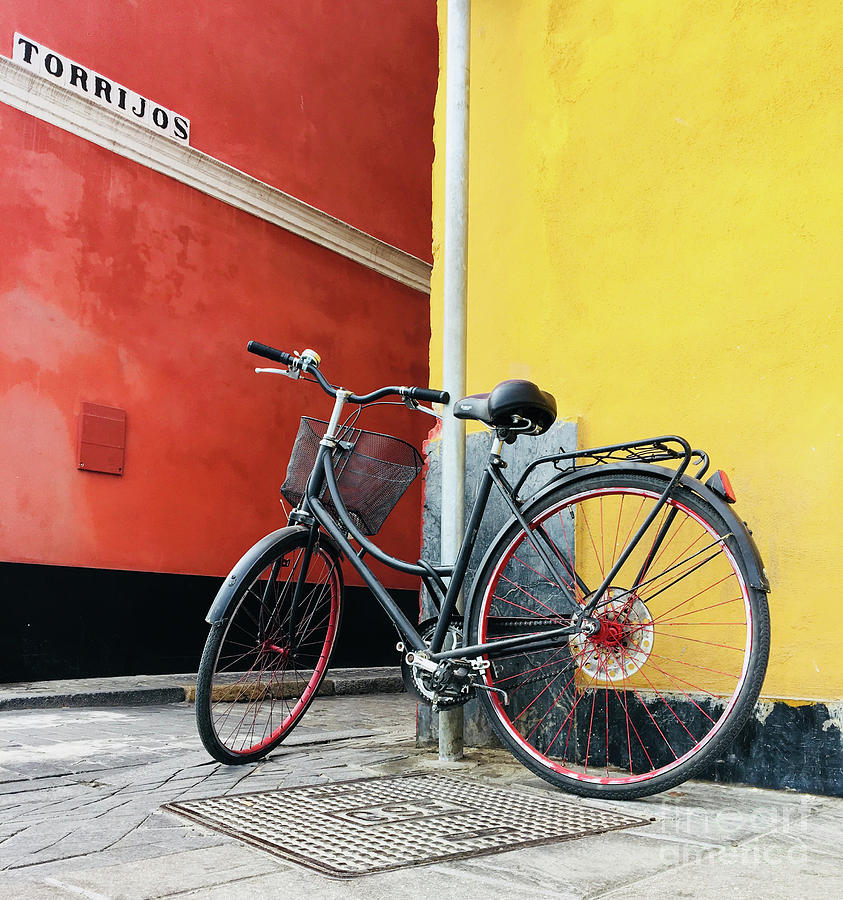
(375, 824)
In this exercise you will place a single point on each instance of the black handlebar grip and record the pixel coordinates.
(428, 395)
(270, 353)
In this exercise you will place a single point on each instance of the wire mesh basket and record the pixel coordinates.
(373, 471)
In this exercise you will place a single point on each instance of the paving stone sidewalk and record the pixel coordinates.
(146, 690)
(81, 791)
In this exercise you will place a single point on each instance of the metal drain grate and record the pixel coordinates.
(370, 825)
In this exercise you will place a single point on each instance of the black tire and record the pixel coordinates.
(258, 675)
(677, 666)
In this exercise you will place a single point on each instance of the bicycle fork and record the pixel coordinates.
(328, 440)
(301, 582)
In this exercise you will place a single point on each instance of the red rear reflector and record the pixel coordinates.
(720, 484)
(727, 486)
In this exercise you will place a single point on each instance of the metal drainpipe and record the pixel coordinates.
(454, 317)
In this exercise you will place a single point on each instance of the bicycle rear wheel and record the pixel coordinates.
(678, 662)
(262, 666)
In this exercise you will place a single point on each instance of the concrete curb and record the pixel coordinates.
(153, 690)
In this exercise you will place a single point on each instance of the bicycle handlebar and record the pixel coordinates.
(308, 366)
(270, 353)
(428, 395)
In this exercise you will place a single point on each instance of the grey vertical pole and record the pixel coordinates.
(453, 326)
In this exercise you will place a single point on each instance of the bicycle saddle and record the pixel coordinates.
(507, 400)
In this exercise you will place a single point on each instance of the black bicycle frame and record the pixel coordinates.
(323, 475)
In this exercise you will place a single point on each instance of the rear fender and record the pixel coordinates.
(741, 534)
(740, 530)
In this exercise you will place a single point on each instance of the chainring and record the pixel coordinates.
(417, 681)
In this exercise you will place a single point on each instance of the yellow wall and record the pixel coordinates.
(656, 237)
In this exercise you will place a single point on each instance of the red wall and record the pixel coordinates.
(329, 100)
(123, 287)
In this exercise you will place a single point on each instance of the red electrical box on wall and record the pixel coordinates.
(101, 446)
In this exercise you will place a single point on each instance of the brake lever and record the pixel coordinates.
(410, 403)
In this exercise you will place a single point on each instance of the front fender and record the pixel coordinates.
(264, 548)
(741, 533)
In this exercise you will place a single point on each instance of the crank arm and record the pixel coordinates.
(420, 662)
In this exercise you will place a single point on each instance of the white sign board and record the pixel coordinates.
(101, 90)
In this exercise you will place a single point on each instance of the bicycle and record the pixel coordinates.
(616, 635)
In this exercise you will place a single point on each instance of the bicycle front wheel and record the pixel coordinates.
(679, 659)
(262, 666)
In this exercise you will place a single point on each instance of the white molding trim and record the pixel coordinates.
(52, 103)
